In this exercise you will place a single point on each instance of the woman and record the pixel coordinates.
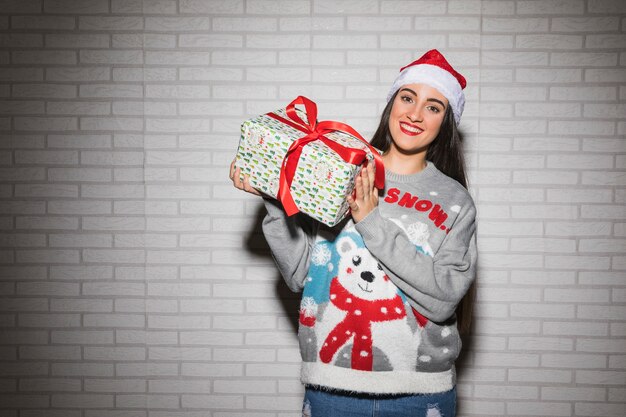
(378, 330)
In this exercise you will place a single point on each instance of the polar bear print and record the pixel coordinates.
(365, 324)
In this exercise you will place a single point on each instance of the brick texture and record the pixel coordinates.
(134, 280)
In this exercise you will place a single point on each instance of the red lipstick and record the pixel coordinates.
(409, 129)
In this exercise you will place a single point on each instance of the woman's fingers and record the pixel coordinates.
(359, 188)
(372, 175)
(235, 176)
(365, 197)
(369, 185)
(367, 188)
(365, 185)
(247, 187)
(237, 179)
(246, 184)
(231, 172)
(352, 204)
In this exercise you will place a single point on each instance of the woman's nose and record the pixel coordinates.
(415, 115)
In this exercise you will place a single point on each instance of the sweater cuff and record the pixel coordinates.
(273, 207)
(370, 225)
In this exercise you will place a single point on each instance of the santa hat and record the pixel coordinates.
(432, 69)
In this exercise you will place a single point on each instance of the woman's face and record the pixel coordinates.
(416, 117)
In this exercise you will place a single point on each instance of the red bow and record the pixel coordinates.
(316, 131)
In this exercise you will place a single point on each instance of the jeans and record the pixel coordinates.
(321, 403)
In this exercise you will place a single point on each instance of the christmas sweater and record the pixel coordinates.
(378, 296)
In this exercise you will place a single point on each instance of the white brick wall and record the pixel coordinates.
(134, 280)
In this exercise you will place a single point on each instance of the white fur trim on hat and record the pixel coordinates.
(437, 78)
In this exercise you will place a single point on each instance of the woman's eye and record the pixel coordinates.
(434, 109)
(407, 99)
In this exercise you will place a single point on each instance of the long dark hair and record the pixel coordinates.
(446, 152)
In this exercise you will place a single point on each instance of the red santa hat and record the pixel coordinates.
(432, 69)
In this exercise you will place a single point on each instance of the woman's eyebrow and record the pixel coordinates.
(430, 99)
(437, 101)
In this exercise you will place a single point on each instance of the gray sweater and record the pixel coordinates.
(378, 297)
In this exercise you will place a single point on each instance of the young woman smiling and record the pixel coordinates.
(382, 290)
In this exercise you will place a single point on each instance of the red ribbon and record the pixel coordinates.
(316, 131)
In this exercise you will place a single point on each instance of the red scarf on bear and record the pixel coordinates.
(360, 315)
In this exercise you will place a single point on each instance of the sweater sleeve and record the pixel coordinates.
(434, 285)
(290, 239)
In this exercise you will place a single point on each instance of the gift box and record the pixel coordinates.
(309, 166)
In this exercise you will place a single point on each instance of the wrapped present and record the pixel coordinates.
(309, 166)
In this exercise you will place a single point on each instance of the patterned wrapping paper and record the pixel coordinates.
(322, 179)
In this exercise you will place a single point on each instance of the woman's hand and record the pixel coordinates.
(366, 198)
(235, 176)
